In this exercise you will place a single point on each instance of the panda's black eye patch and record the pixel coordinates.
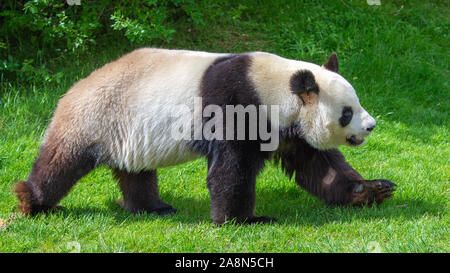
(347, 114)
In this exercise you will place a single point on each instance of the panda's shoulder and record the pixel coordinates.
(267, 58)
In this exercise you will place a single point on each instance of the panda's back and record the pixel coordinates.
(127, 105)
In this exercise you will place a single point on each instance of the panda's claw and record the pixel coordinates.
(373, 191)
(165, 211)
(58, 208)
(260, 220)
(381, 189)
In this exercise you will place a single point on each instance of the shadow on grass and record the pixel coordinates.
(293, 208)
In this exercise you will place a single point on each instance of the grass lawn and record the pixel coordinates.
(396, 56)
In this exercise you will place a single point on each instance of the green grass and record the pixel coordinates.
(395, 55)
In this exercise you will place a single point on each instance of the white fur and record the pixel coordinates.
(320, 120)
(153, 102)
(128, 106)
(335, 94)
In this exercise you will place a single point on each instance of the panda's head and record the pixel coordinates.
(330, 114)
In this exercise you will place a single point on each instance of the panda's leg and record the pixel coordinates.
(140, 192)
(328, 176)
(58, 167)
(231, 181)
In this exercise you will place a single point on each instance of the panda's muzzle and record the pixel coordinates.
(354, 140)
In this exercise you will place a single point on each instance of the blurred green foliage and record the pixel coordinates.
(32, 31)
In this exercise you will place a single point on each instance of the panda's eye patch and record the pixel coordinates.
(347, 114)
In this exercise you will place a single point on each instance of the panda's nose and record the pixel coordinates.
(370, 129)
(369, 123)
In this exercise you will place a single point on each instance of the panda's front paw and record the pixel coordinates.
(371, 191)
(381, 189)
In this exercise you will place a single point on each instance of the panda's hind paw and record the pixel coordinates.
(160, 208)
(260, 220)
(165, 210)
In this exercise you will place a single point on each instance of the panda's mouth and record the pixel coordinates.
(354, 140)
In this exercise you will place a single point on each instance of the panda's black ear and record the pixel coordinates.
(303, 84)
(332, 63)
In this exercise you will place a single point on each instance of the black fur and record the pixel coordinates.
(303, 84)
(54, 173)
(303, 81)
(140, 192)
(310, 166)
(332, 63)
(232, 164)
(347, 115)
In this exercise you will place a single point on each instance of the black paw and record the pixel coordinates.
(380, 189)
(57, 208)
(159, 208)
(165, 210)
(371, 191)
(47, 210)
(260, 220)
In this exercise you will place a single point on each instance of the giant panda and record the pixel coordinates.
(121, 115)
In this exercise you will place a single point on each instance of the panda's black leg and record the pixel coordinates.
(231, 181)
(328, 176)
(57, 168)
(140, 192)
